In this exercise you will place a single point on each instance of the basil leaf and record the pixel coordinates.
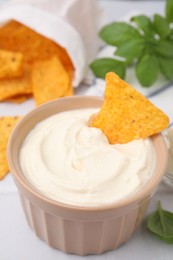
(117, 33)
(147, 44)
(131, 49)
(144, 23)
(160, 223)
(166, 67)
(147, 70)
(171, 35)
(161, 26)
(164, 48)
(103, 65)
(169, 11)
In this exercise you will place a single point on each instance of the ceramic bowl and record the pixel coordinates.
(80, 229)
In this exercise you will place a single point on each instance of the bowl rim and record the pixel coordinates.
(135, 197)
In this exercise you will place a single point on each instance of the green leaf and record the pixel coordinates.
(160, 223)
(144, 23)
(103, 65)
(171, 35)
(161, 26)
(131, 49)
(147, 44)
(147, 70)
(118, 32)
(164, 48)
(166, 67)
(169, 11)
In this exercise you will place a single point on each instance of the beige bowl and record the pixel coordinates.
(75, 229)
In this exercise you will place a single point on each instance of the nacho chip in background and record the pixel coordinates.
(6, 126)
(15, 86)
(9, 28)
(11, 64)
(49, 80)
(126, 114)
(19, 98)
(6, 35)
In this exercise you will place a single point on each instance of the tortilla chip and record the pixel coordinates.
(49, 80)
(10, 64)
(48, 49)
(6, 126)
(126, 114)
(6, 34)
(28, 42)
(19, 98)
(9, 28)
(15, 86)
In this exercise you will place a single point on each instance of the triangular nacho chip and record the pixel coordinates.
(6, 126)
(18, 98)
(10, 64)
(49, 79)
(15, 86)
(126, 114)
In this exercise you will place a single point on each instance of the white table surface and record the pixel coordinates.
(17, 240)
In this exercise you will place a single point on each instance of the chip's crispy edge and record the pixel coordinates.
(49, 80)
(126, 114)
(10, 88)
(11, 64)
(6, 126)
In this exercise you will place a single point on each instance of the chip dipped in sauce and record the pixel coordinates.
(127, 115)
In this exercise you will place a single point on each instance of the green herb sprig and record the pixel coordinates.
(160, 223)
(145, 43)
